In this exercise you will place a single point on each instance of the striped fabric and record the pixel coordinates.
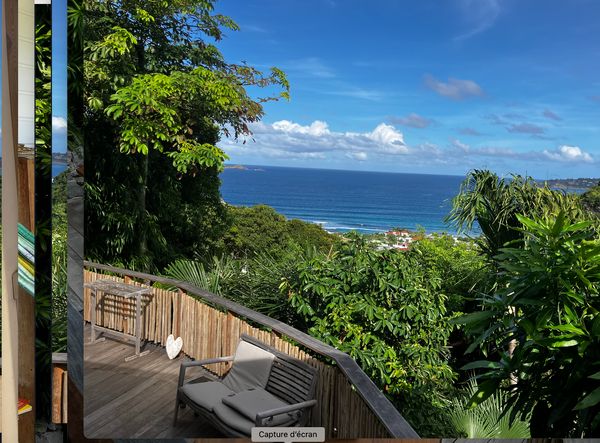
(26, 265)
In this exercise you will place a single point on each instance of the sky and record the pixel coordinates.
(438, 87)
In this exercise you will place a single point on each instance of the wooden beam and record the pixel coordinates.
(10, 331)
(26, 303)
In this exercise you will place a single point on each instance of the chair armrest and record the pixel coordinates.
(208, 361)
(261, 416)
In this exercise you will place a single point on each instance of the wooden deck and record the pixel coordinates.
(134, 399)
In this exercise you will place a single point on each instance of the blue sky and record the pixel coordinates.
(428, 86)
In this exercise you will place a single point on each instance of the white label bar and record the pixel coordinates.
(288, 435)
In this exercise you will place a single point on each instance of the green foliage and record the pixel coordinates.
(257, 285)
(488, 419)
(591, 199)
(209, 278)
(262, 230)
(494, 204)
(381, 309)
(547, 307)
(458, 266)
(158, 96)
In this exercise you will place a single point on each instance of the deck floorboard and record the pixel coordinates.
(134, 399)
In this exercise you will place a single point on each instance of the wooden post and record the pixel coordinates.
(10, 330)
(26, 303)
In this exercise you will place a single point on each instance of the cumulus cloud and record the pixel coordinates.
(551, 115)
(566, 153)
(285, 138)
(460, 145)
(59, 125)
(526, 128)
(412, 120)
(455, 89)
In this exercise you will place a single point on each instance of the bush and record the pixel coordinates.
(547, 310)
(382, 309)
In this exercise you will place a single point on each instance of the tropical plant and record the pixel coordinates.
(381, 309)
(591, 199)
(494, 203)
(541, 328)
(488, 419)
(210, 278)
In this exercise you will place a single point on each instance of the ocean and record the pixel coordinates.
(341, 201)
(57, 168)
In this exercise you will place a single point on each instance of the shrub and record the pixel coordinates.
(381, 309)
(547, 310)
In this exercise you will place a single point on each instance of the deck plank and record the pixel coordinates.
(134, 399)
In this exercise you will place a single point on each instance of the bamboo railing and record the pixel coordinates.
(349, 405)
(59, 388)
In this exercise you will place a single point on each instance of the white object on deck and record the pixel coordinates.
(173, 346)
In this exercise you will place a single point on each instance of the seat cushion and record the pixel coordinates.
(252, 401)
(206, 394)
(250, 369)
(234, 420)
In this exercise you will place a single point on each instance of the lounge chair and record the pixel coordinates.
(264, 387)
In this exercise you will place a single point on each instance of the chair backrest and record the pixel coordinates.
(290, 379)
(251, 367)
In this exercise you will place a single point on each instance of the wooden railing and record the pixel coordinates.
(349, 404)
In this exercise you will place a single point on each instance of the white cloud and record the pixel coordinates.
(316, 128)
(359, 156)
(59, 125)
(455, 88)
(569, 154)
(286, 138)
(479, 15)
(460, 145)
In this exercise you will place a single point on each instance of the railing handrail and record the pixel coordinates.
(389, 416)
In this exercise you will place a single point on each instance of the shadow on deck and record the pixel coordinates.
(134, 399)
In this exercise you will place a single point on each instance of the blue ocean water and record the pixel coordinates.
(57, 168)
(346, 200)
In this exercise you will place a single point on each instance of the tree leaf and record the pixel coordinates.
(590, 400)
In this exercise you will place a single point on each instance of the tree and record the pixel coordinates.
(161, 94)
(384, 311)
(494, 204)
(260, 229)
(591, 199)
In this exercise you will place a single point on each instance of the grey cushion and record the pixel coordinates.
(235, 420)
(206, 394)
(252, 401)
(251, 367)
